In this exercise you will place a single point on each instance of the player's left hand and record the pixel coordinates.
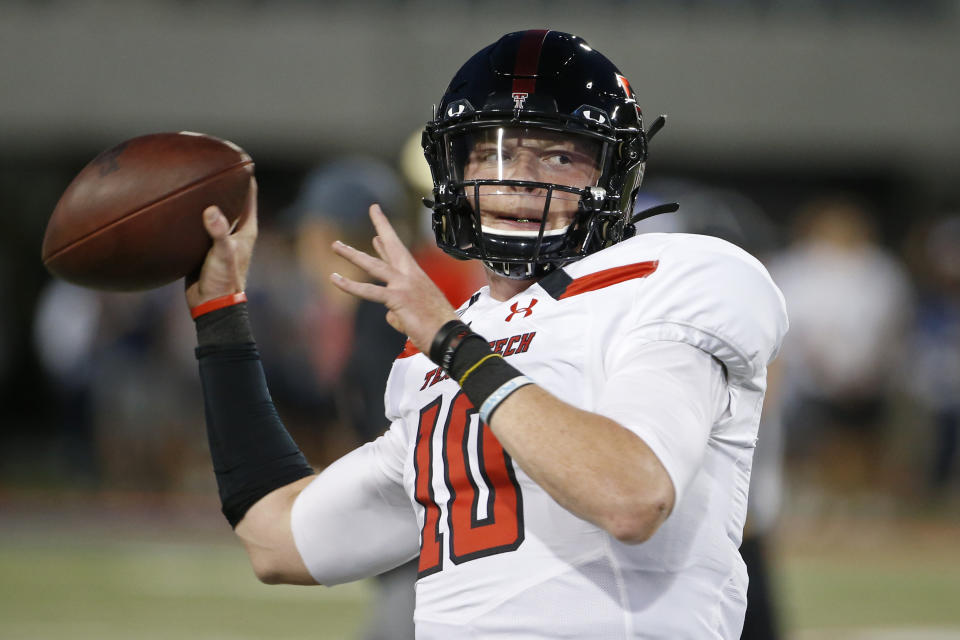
(415, 306)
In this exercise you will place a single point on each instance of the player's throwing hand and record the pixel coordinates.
(225, 268)
(415, 306)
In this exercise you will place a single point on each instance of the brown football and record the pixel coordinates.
(132, 219)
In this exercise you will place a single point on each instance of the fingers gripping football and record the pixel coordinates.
(224, 270)
(415, 306)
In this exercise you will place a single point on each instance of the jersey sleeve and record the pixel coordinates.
(355, 519)
(669, 394)
(713, 296)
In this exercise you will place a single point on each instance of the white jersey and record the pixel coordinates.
(498, 557)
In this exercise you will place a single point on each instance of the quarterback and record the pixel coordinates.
(569, 452)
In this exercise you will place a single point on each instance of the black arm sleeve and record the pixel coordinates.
(252, 452)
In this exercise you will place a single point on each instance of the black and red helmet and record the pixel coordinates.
(546, 83)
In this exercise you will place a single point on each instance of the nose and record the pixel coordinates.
(524, 167)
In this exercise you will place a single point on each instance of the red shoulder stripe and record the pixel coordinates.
(608, 277)
(408, 350)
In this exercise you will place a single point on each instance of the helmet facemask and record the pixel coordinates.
(526, 197)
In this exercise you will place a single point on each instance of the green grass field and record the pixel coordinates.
(871, 578)
(102, 573)
(151, 590)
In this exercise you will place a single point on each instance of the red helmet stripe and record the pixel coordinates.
(528, 59)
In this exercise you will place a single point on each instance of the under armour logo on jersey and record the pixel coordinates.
(519, 97)
(526, 311)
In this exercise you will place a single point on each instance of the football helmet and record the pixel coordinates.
(537, 150)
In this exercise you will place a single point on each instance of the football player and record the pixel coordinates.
(569, 452)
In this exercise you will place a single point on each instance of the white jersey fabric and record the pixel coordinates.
(669, 335)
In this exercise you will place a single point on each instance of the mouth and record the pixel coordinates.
(518, 221)
(518, 214)
(522, 214)
(516, 226)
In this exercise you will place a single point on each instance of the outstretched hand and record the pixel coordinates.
(224, 270)
(415, 306)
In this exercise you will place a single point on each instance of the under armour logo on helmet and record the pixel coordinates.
(526, 311)
(519, 97)
(596, 117)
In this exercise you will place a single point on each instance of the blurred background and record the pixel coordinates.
(820, 135)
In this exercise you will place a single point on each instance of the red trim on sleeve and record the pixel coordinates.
(608, 277)
(528, 59)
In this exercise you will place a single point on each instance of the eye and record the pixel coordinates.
(558, 159)
(489, 155)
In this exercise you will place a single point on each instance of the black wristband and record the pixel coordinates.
(469, 353)
(252, 452)
(486, 378)
(448, 340)
(453, 349)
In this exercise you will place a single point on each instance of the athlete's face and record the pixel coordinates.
(535, 155)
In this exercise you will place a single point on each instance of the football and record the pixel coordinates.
(132, 218)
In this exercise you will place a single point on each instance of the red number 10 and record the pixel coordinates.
(471, 537)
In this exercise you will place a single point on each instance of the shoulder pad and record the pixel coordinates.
(716, 297)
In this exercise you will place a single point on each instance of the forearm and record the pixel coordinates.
(251, 450)
(589, 464)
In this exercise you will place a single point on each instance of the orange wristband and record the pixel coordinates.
(217, 303)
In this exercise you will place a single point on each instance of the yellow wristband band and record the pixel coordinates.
(477, 364)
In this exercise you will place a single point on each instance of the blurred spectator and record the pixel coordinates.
(333, 205)
(147, 410)
(65, 330)
(850, 305)
(300, 318)
(934, 377)
(124, 378)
